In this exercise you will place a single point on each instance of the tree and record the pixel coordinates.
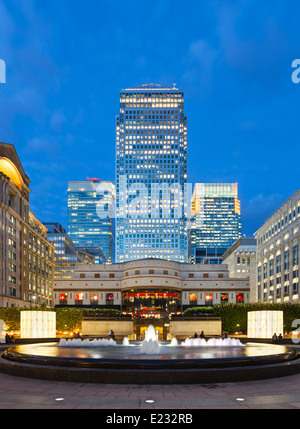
(68, 319)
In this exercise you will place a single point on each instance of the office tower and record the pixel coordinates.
(151, 174)
(26, 256)
(215, 222)
(278, 243)
(91, 216)
(66, 255)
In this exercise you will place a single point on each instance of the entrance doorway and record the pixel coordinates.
(161, 326)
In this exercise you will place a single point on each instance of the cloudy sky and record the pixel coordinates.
(67, 60)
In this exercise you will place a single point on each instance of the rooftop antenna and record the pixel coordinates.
(94, 179)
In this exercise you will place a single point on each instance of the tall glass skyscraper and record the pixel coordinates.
(215, 222)
(91, 216)
(151, 174)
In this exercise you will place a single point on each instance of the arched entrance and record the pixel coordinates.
(151, 306)
(155, 303)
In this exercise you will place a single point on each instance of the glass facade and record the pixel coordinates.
(64, 254)
(215, 222)
(91, 216)
(151, 174)
(158, 302)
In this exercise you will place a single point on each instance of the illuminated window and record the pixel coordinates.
(240, 298)
(193, 297)
(94, 297)
(78, 298)
(208, 299)
(224, 298)
(63, 297)
(109, 298)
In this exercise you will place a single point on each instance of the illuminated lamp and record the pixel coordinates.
(38, 324)
(8, 168)
(264, 324)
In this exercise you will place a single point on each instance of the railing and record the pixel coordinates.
(109, 316)
(195, 316)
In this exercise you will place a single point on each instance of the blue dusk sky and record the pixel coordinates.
(67, 60)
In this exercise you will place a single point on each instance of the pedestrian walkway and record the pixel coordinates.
(23, 393)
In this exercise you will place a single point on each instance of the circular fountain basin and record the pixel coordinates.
(168, 364)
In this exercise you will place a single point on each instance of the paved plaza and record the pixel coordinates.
(24, 393)
(27, 393)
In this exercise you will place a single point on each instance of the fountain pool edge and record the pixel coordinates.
(153, 372)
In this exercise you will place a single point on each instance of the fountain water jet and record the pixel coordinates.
(212, 342)
(150, 344)
(77, 342)
(174, 342)
(125, 341)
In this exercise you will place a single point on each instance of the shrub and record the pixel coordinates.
(194, 311)
(234, 316)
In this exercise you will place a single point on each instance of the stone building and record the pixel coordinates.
(241, 261)
(278, 242)
(26, 256)
(150, 287)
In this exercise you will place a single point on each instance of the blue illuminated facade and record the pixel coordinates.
(215, 222)
(91, 216)
(151, 174)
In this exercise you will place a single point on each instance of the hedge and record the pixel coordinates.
(67, 318)
(234, 316)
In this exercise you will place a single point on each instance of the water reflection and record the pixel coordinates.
(132, 351)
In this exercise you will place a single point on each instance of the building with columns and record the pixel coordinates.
(26, 256)
(241, 261)
(150, 287)
(278, 242)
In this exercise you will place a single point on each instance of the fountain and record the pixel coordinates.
(212, 342)
(125, 342)
(150, 344)
(174, 342)
(77, 342)
(194, 360)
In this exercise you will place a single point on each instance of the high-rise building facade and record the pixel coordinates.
(91, 215)
(278, 255)
(215, 221)
(66, 255)
(151, 174)
(26, 256)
